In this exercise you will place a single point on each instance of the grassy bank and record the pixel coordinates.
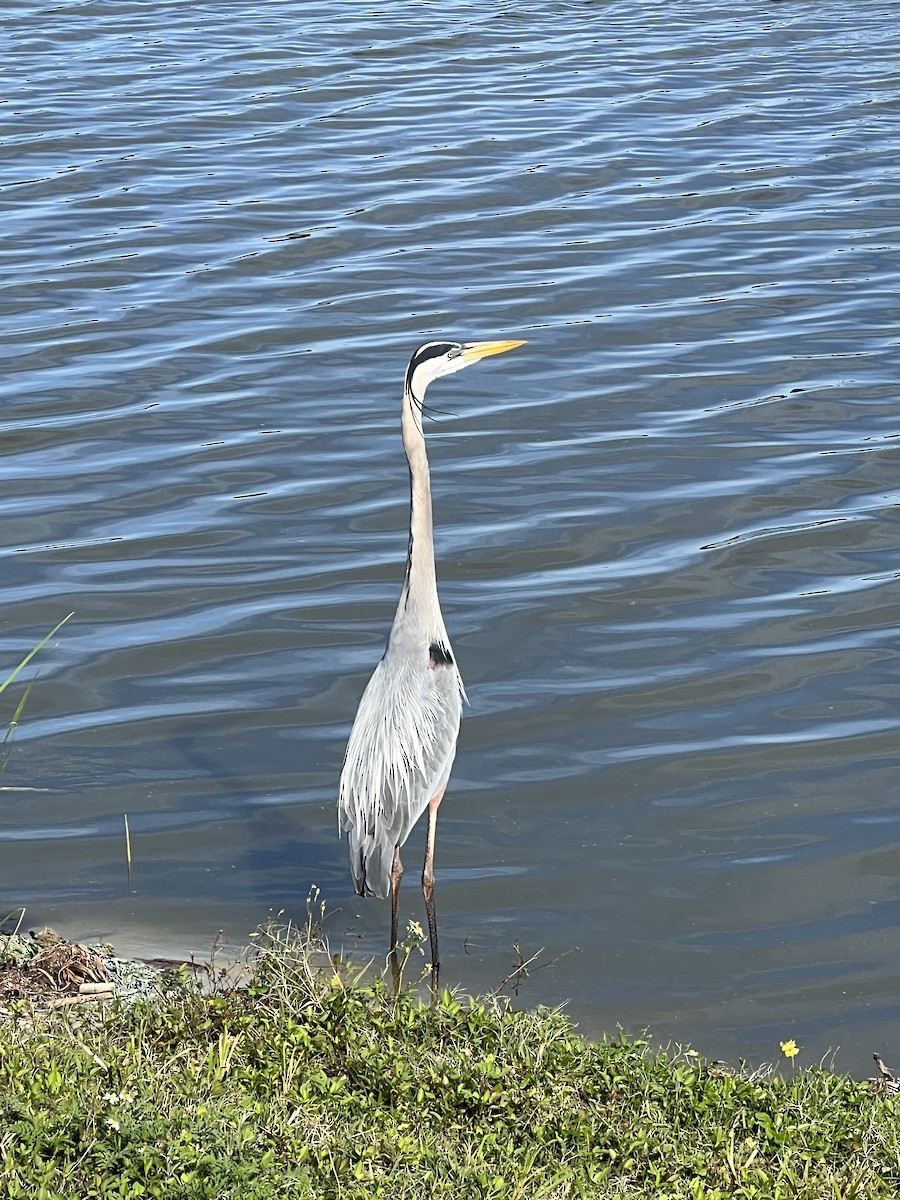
(307, 1085)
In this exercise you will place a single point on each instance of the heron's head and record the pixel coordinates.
(435, 359)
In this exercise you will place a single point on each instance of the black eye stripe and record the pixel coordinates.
(425, 353)
(432, 350)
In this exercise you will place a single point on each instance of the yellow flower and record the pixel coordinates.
(790, 1049)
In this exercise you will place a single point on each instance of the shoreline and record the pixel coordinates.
(299, 1080)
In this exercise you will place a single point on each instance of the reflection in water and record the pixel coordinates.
(668, 542)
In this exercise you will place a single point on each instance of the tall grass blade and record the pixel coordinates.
(31, 653)
(6, 744)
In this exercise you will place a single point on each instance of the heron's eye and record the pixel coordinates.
(455, 352)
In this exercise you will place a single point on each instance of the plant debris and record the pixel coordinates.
(48, 971)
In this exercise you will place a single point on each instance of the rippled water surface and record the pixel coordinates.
(667, 528)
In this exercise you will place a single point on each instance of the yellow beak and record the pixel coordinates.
(473, 351)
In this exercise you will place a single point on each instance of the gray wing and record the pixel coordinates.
(399, 757)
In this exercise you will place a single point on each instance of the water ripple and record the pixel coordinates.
(666, 529)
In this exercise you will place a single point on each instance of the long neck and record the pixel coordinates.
(420, 588)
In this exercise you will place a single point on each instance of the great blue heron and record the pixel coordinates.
(403, 740)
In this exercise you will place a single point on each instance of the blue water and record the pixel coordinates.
(666, 528)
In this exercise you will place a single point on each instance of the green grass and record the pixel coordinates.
(307, 1084)
(12, 724)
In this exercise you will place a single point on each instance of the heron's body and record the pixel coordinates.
(403, 741)
(412, 704)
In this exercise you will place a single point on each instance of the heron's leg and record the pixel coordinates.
(396, 876)
(428, 888)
